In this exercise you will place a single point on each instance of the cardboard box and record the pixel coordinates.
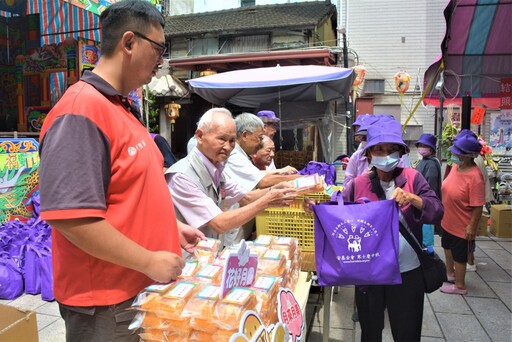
(501, 220)
(17, 325)
(483, 226)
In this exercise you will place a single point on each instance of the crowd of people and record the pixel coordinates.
(120, 223)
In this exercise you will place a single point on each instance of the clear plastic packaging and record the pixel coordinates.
(230, 309)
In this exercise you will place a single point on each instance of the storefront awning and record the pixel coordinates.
(476, 53)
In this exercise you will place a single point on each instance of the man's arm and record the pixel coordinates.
(260, 200)
(101, 240)
(273, 179)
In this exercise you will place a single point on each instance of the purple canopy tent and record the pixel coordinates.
(476, 54)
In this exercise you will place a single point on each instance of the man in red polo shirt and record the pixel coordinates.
(102, 189)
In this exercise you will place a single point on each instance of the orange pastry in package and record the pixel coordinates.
(153, 335)
(202, 304)
(223, 335)
(263, 240)
(231, 308)
(159, 288)
(272, 263)
(173, 302)
(204, 325)
(221, 259)
(265, 289)
(308, 184)
(212, 245)
(211, 272)
(207, 250)
(152, 321)
(287, 244)
(190, 269)
(200, 336)
(178, 337)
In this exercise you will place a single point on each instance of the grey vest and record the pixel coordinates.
(193, 167)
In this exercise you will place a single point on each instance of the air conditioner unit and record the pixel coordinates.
(373, 86)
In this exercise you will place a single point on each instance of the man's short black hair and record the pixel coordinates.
(126, 15)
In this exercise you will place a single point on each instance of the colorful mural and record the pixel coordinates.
(19, 178)
(89, 54)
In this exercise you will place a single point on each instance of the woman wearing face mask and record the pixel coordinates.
(430, 167)
(463, 197)
(418, 205)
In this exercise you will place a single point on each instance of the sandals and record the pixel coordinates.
(452, 289)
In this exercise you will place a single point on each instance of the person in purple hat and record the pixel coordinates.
(430, 167)
(270, 120)
(463, 197)
(489, 196)
(358, 162)
(356, 125)
(418, 205)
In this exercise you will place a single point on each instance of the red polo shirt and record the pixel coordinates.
(98, 160)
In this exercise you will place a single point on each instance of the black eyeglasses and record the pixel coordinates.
(161, 48)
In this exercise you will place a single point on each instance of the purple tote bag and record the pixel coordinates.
(357, 244)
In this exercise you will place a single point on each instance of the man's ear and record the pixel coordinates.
(199, 135)
(127, 41)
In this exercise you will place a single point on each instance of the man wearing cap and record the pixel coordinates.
(430, 167)
(418, 204)
(270, 120)
(463, 197)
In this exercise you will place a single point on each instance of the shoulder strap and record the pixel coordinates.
(407, 234)
(376, 187)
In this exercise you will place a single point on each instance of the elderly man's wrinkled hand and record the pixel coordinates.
(282, 197)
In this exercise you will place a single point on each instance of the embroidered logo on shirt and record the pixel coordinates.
(132, 150)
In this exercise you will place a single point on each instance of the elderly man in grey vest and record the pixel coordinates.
(202, 192)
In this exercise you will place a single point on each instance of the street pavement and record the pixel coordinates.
(484, 314)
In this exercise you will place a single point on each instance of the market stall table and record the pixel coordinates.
(308, 265)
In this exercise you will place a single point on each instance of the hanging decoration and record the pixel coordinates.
(402, 80)
(172, 110)
(360, 72)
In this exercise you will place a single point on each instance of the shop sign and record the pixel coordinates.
(506, 93)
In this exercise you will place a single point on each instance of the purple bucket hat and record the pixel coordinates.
(466, 144)
(360, 119)
(372, 119)
(268, 116)
(427, 139)
(365, 122)
(387, 131)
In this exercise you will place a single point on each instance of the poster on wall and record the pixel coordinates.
(19, 178)
(89, 54)
(501, 132)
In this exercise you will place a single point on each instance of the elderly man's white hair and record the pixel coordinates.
(247, 122)
(206, 122)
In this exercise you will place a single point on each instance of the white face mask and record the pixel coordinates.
(386, 163)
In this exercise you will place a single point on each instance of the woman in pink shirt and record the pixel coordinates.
(463, 193)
